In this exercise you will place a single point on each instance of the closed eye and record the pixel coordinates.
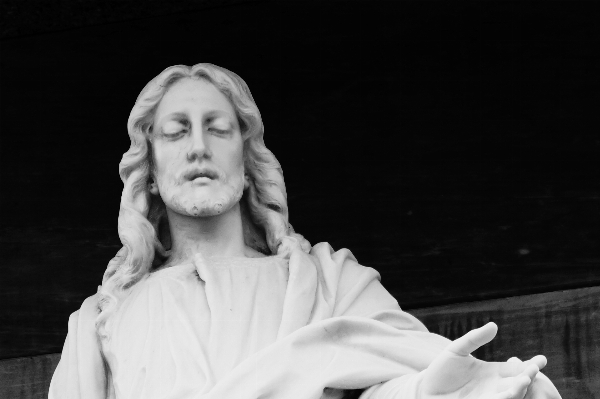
(174, 128)
(218, 131)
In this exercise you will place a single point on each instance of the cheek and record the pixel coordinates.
(230, 158)
(238, 154)
(167, 162)
(240, 158)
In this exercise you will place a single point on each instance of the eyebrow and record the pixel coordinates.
(174, 115)
(209, 115)
(217, 113)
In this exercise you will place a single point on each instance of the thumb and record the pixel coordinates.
(472, 340)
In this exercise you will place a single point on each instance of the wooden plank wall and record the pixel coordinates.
(27, 377)
(452, 147)
(564, 326)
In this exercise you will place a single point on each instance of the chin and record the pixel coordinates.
(207, 204)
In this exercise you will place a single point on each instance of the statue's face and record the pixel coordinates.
(198, 150)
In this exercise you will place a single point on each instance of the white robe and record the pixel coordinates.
(249, 328)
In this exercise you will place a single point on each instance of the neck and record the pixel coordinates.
(212, 236)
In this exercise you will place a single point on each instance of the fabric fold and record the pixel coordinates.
(341, 353)
(305, 328)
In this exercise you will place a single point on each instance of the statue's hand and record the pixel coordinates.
(541, 387)
(456, 374)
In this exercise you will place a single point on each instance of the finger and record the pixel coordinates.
(520, 386)
(514, 366)
(517, 390)
(472, 340)
(539, 361)
(531, 371)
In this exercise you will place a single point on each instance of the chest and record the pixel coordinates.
(193, 327)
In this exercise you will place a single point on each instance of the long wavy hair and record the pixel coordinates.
(142, 224)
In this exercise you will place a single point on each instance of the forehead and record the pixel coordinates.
(193, 95)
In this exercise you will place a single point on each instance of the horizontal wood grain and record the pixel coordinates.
(27, 377)
(564, 326)
(452, 147)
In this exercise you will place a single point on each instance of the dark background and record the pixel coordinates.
(449, 145)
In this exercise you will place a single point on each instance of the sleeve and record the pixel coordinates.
(359, 292)
(81, 372)
(405, 387)
(343, 333)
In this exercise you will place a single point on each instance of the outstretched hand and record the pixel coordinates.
(541, 386)
(454, 373)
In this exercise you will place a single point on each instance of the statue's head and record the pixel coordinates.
(162, 170)
(197, 154)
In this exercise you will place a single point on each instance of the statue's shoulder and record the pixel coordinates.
(90, 304)
(356, 288)
(84, 319)
(341, 259)
(89, 308)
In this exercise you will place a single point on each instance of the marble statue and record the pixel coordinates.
(214, 296)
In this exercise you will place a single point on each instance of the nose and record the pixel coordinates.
(199, 147)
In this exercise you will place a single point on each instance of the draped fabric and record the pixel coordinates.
(247, 328)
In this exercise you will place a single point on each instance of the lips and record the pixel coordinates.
(196, 173)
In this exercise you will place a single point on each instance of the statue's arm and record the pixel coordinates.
(455, 374)
(360, 293)
(81, 372)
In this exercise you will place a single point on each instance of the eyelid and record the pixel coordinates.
(218, 130)
(219, 124)
(174, 126)
(180, 121)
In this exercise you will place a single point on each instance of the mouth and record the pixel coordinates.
(201, 173)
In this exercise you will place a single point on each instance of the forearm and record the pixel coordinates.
(405, 387)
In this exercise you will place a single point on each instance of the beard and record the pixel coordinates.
(192, 201)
